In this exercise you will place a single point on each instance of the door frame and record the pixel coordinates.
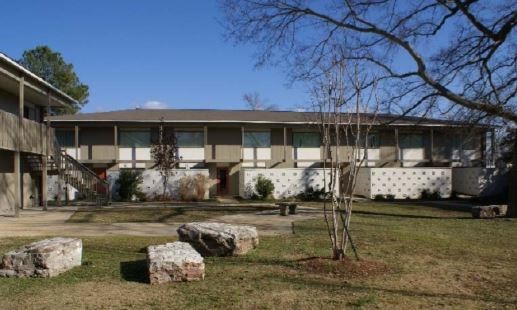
(227, 183)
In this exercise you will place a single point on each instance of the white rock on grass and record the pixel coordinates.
(219, 239)
(45, 258)
(174, 262)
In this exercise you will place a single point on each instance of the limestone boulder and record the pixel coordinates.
(45, 258)
(219, 239)
(174, 262)
(485, 212)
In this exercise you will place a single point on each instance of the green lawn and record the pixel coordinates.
(434, 258)
(172, 214)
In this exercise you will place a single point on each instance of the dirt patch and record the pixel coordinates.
(347, 268)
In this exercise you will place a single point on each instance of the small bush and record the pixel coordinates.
(379, 197)
(310, 194)
(202, 183)
(193, 188)
(427, 195)
(128, 185)
(390, 197)
(264, 187)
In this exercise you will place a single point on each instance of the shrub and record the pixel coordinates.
(390, 197)
(264, 187)
(310, 194)
(128, 183)
(427, 195)
(202, 183)
(379, 197)
(193, 188)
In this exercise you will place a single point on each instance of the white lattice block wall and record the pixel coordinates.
(53, 188)
(288, 182)
(473, 180)
(407, 182)
(152, 182)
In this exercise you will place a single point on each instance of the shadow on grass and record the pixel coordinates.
(319, 283)
(413, 215)
(162, 214)
(447, 205)
(134, 271)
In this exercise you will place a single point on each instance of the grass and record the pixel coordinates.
(436, 259)
(174, 214)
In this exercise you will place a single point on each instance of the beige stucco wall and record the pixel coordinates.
(96, 143)
(277, 149)
(387, 147)
(223, 144)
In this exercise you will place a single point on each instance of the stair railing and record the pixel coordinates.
(81, 177)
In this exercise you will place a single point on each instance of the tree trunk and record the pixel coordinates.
(338, 254)
(512, 185)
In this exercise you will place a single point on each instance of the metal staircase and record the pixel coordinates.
(91, 187)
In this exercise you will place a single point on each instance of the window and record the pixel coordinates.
(135, 138)
(306, 139)
(194, 139)
(372, 141)
(257, 139)
(411, 141)
(65, 138)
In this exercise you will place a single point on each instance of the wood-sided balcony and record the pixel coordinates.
(31, 139)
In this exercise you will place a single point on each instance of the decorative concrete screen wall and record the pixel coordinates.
(53, 189)
(477, 181)
(403, 182)
(152, 182)
(288, 182)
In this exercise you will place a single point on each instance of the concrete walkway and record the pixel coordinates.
(34, 222)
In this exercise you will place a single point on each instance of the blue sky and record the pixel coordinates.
(133, 53)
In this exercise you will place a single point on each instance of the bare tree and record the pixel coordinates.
(452, 57)
(341, 98)
(164, 152)
(256, 103)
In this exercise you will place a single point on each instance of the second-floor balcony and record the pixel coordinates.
(31, 137)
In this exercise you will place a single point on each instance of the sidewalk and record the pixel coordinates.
(35, 222)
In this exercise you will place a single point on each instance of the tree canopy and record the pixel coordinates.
(51, 67)
(447, 56)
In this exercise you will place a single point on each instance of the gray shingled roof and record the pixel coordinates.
(226, 116)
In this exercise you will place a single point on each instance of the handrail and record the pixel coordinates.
(92, 180)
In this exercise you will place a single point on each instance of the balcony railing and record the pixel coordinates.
(33, 138)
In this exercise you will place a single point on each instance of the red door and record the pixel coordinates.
(101, 173)
(222, 181)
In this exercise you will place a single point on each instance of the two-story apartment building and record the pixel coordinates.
(25, 100)
(226, 142)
